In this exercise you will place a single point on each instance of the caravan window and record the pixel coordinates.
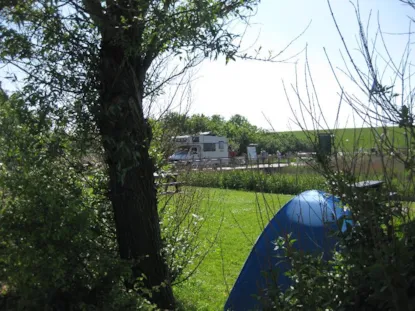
(182, 152)
(209, 147)
(221, 145)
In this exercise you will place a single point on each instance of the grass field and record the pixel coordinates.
(354, 138)
(239, 213)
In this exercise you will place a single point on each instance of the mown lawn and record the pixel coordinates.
(241, 217)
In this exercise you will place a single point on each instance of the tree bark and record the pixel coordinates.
(126, 137)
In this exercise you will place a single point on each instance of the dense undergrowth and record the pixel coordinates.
(256, 181)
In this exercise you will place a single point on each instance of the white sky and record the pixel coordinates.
(252, 88)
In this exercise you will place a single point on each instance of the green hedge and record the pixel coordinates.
(256, 181)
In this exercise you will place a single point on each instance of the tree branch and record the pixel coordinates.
(95, 10)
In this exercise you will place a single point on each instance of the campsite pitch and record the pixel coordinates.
(244, 216)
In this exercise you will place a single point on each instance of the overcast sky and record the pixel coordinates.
(253, 88)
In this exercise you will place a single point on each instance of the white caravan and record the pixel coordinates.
(201, 148)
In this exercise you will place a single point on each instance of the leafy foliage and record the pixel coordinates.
(183, 218)
(372, 269)
(237, 129)
(88, 67)
(254, 181)
(58, 245)
(373, 264)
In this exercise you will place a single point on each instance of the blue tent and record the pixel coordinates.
(311, 218)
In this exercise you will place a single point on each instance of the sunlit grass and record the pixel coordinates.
(351, 139)
(241, 217)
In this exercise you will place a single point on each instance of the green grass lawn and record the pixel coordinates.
(354, 138)
(241, 216)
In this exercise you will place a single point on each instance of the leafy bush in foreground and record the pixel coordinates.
(58, 249)
(373, 267)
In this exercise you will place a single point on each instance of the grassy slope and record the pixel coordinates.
(360, 137)
(209, 288)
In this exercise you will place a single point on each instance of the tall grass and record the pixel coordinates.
(256, 181)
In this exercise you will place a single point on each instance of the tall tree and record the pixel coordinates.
(94, 58)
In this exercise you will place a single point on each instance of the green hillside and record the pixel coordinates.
(354, 138)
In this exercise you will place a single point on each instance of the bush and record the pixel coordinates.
(372, 268)
(58, 248)
(256, 181)
(182, 218)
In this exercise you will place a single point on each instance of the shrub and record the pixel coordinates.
(183, 217)
(373, 267)
(57, 244)
(256, 181)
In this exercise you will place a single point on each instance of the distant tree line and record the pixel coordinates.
(237, 129)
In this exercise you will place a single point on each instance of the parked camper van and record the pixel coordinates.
(204, 148)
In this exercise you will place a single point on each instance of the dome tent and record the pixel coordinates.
(310, 217)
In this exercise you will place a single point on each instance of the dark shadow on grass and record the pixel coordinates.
(185, 306)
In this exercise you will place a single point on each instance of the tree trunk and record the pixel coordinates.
(126, 137)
